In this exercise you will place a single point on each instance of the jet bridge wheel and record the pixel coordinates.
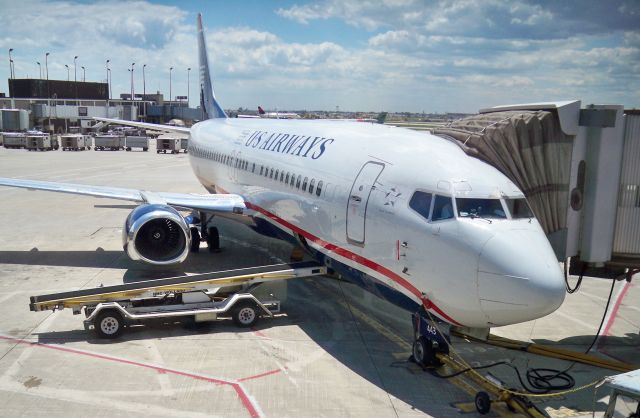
(245, 314)
(109, 324)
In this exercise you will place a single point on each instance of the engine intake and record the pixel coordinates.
(156, 234)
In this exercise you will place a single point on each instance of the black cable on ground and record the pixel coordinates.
(570, 289)
(544, 380)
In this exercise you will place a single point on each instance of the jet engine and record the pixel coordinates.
(156, 234)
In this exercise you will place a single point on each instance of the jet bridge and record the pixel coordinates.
(202, 297)
(578, 169)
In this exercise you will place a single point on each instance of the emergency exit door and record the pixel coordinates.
(359, 200)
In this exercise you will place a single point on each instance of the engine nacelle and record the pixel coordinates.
(156, 234)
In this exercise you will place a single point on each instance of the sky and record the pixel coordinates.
(358, 55)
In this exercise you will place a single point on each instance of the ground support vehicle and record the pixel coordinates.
(109, 142)
(201, 297)
(136, 142)
(173, 145)
(41, 142)
(75, 142)
(14, 140)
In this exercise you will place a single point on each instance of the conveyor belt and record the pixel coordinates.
(176, 284)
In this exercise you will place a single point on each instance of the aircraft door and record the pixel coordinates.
(359, 199)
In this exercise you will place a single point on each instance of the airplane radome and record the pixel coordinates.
(406, 215)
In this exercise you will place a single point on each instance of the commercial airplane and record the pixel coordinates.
(406, 215)
(270, 115)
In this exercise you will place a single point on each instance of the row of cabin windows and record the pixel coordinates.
(278, 175)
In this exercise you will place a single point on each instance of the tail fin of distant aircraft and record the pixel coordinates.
(208, 102)
(260, 110)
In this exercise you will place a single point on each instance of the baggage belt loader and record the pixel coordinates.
(201, 297)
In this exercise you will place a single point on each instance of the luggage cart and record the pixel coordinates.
(174, 145)
(136, 142)
(201, 297)
(14, 140)
(109, 142)
(41, 142)
(75, 142)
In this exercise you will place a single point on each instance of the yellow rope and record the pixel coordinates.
(513, 392)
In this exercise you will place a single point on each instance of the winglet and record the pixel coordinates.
(209, 104)
(260, 110)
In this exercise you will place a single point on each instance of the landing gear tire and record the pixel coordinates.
(483, 403)
(245, 314)
(195, 240)
(423, 352)
(213, 240)
(109, 324)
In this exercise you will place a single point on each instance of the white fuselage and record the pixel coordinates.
(468, 271)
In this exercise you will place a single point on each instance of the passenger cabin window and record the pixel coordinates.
(319, 188)
(421, 203)
(442, 208)
(286, 179)
(298, 181)
(480, 208)
(304, 184)
(312, 185)
(519, 208)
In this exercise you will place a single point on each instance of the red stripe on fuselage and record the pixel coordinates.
(356, 258)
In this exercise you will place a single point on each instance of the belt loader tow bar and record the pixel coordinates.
(202, 297)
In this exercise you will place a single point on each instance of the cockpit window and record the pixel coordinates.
(481, 208)
(442, 208)
(519, 208)
(421, 203)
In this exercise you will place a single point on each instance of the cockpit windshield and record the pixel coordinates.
(480, 208)
(519, 208)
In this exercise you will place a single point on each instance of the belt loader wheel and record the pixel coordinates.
(245, 314)
(109, 324)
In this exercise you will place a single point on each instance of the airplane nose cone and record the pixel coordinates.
(519, 278)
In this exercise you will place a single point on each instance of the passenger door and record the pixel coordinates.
(359, 199)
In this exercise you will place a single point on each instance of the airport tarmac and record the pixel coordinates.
(336, 351)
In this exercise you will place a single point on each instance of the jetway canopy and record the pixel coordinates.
(530, 148)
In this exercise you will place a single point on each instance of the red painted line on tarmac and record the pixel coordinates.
(260, 375)
(244, 398)
(258, 333)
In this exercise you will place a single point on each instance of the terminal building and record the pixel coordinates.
(59, 106)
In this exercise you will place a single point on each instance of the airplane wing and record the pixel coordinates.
(150, 126)
(212, 203)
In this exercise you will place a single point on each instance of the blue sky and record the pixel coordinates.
(395, 55)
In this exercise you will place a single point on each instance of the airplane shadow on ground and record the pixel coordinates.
(324, 311)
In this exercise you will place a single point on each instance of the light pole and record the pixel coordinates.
(109, 81)
(188, 72)
(83, 74)
(170, 69)
(67, 72)
(144, 83)
(75, 78)
(144, 92)
(40, 69)
(11, 75)
(108, 84)
(133, 92)
(46, 66)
